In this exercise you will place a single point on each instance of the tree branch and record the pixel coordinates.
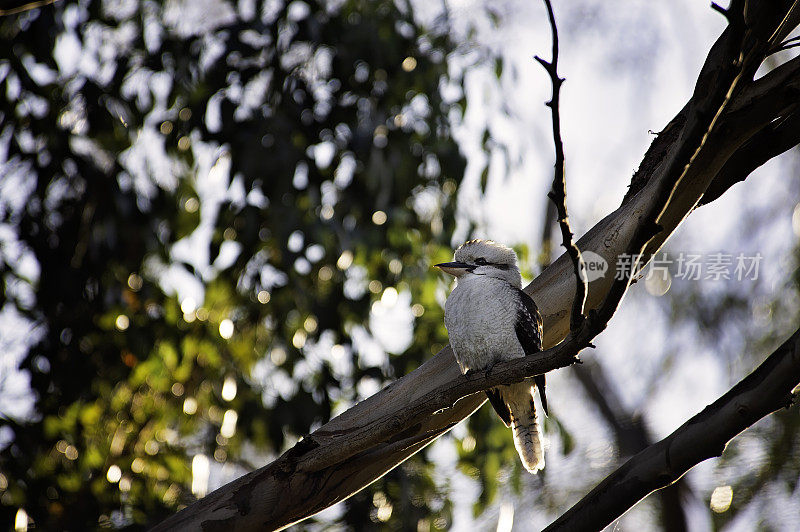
(775, 139)
(280, 493)
(766, 390)
(702, 123)
(558, 192)
(631, 436)
(16, 7)
(443, 398)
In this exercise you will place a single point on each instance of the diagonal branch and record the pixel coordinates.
(702, 123)
(17, 7)
(766, 390)
(631, 436)
(776, 138)
(443, 398)
(558, 193)
(282, 493)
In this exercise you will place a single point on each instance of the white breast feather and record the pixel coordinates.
(480, 315)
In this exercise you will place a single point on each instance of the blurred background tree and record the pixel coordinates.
(217, 221)
(204, 202)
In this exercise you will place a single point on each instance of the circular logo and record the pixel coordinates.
(596, 265)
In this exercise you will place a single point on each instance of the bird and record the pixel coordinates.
(490, 319)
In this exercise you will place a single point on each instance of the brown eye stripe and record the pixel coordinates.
(480, 261)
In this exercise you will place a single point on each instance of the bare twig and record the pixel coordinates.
(558, 193)
(764, 391)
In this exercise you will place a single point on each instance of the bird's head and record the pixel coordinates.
(486, 258)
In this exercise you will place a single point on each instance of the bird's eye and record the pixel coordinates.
(481, 261)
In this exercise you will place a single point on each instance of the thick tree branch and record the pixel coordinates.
(558, 192)
(765, 390)
(443, 398)
(778, 137)
(281, 493)
(702, 123)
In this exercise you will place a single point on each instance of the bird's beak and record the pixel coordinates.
(456, 269)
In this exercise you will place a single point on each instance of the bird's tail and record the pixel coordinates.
(527, 434)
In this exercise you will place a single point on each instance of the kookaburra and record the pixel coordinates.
(489, 319)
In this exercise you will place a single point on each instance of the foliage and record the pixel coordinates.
(214, 195)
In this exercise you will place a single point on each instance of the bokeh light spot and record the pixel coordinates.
(188, 305)
(229, 389)
(721, 499)
(278, 356)
(345, 260)
(21, 520)
(122, 322)
(113, 474)
(135, 282)
(325, 273)
(310, 325)
(658, 284)
(228, 428)
(226, 329)
(137, 466)
(200, 471)
(71, 452)
(379, 217)
(409, 64)
(299, 339)
(190, 406)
